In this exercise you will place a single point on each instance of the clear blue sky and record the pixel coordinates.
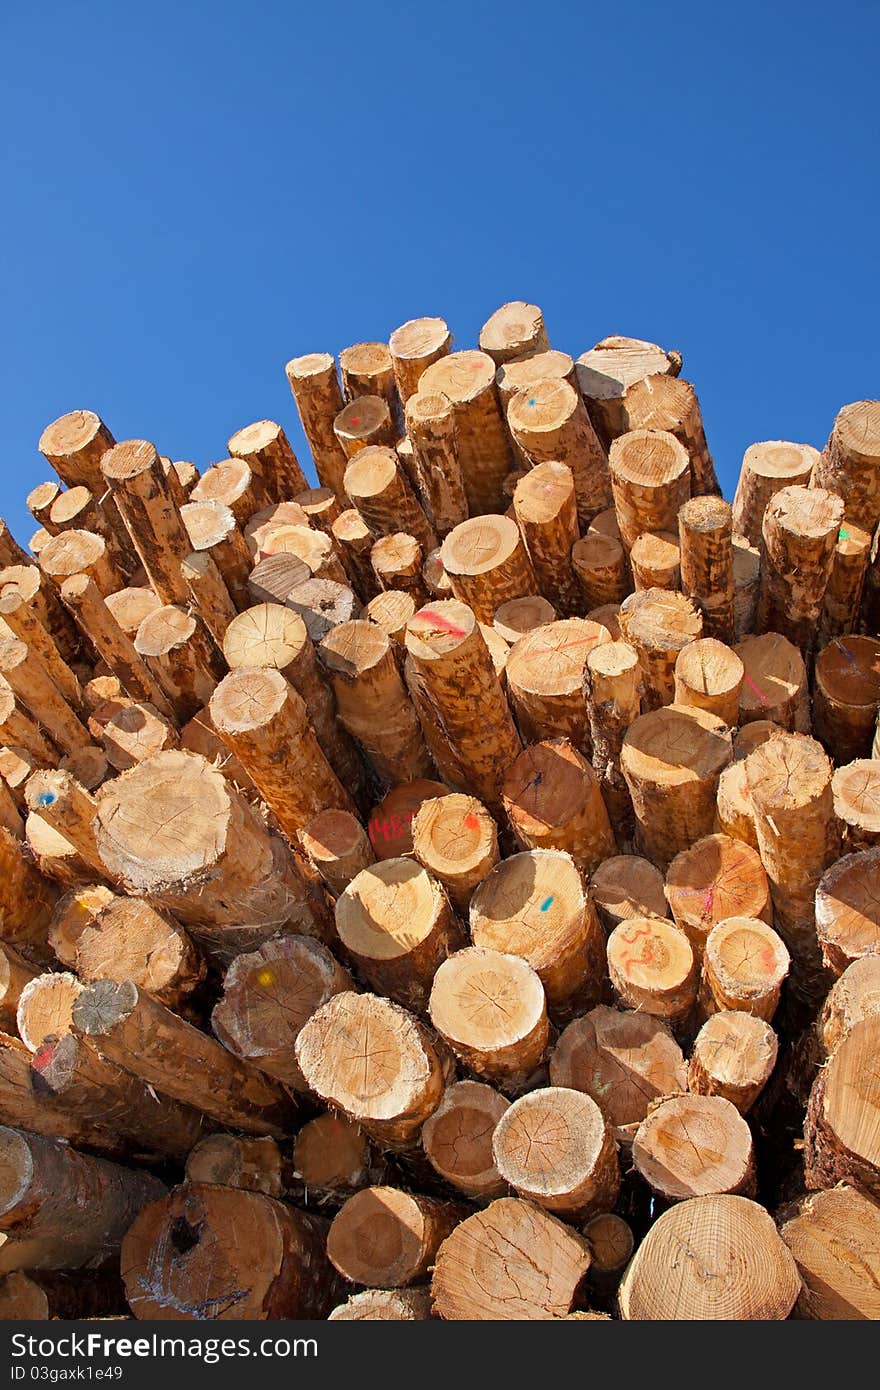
(195, 193)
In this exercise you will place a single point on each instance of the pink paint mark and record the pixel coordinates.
(470, 821)
(443, 623)
(761, 696)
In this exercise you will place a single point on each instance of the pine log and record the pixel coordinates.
(173, 829)
(512, 330)
(43, 1295)
(671, 759)
(626, 886)
(414, 346)
(372, 1060)
(553, 800)
(184, 1259)
(430, 423)
(655, 560)
(386, 1237)
(720, 1233)
(267, 998)
(715, 878)
(658, 623)
(65, 804)
(73, 912)
(611, 695)
(485, 455)
(545, 679)
(550, 423)
(733, 1056)
(695, 1146)
(397, 564)
(210, 527)
(555, 1148)
(850, 462)
(56, 858)
(313, 548)
(336, 844)
(834, 1237)
(384, 1305)
(266, 449)
(33, 686)
(44, 1116)
(38, 591)
(852, 998)
(600, 567)
(390, 825)
(20, 618)
(531, 366)
(39, 503)
(856, 792)
(661, 402)
(650, 481)
(26, 900)
(354, 542)
(15, 973)
(842, 1130)
(799, 535)
(77, 1206)
(318, 397)
(135, 732)
(456, 840)
(457, 1139)
(848, 909)
(745, 965)
(436, 579)
(843, 592)
(45, 1007)
(774, 684)
(366, 422)
(491, 1010)
(624, 1059)
(545, 507)
(143, 495)
(746, 586)
(100, 625)
(605, 373)
(653, 967)
(10, 817)
(78, 509)
(534, 905)
(334, 1158)
(611, 1243)
(180, 652)
(321, 506)
(766, 469)
(368, 369)
(208, 593)
(709, 676)
(11, 553)
(705, 537)
(487, 564)
(511, 1262)
(518, 616)
(454, 670)
(846, 696)
(391, 611)
(129, 607)
(130, 939)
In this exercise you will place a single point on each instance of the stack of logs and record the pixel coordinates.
(449, 890)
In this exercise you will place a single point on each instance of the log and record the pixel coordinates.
(853, 997)
(650, 482)
(384, 1305)
(240, 1161)
(318, 397)
(846, 696)
(705, 533)
(455, 838)
(847, 909)
(182, 475)
(709, 676)
(553, 800)
(397, 564)
(487, 564)
(611, 1243)
(179, 651)
(625, 1060)
(15, 973)
(367, 369)
(842, 1130)
(135, 732)
(269, 995)
(77, 1206)
(549, 422)
(45, 1007)
(658, 623)
(789, 780)
(485, 455)
(454, 672)
(626, 886)
(414, 346)
(271, 635)
(26, 900)
(129, 607)
(599, 565)
(661, 402)
(336, 844)
(512, 1261)
(518, 616)
(366, 422)
(534, 905)
(21, 620)
(39, 503)
(65, 804)
(38, 591)
(152, 518)
(457, 1139)
(391, 611)
(671, 759)
(266, 449)
(43, 1295)
(545, 680)
(655, 560)
(695, 1146)
(210, 528)
(512, 330)
(653, 968)
(390, 825)
(312, 548)
(774, 683)
(183, 1258)
(430, 424)
(766, 469)
(611, 695)
(68, 1071)
(545, 507)
(11, 553)
(745, 965)
(843, 592)
(265, 723)
(130, 939)
(372, 702)
(333, 1157)
(10, 818)
(208, 593)
(386, 1237)
(32, 684)
(850, 462)
(834, 1237)
(746, 586)
(101, 626)
(733, 1056)
(527, 368)
(126, 1026)
(720, 1233)
(354, 542)
(716, 878)
(42, 1116)
(80, 552)
(173, 829)
(856, 791)
(555, 1148)
(799, 536)
(77, 508)
(605, 373)
(491, 1010)
(55, 857)
(372, 1060)
(321, 506)
(73, 912)
(435, 577)
(75, 445)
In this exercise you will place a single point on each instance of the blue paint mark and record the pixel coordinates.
(45, 798)
(533, 400)
(546, 903)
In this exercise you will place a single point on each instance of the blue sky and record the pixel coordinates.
(196, 193)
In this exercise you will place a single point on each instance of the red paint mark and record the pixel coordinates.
(470, 821)
(647, 954)
(751, 684)
(355, 420)
(709, 900)
(578, 642)
(443, 623)
(768, 959)
(390, 827)
(43, 1056)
